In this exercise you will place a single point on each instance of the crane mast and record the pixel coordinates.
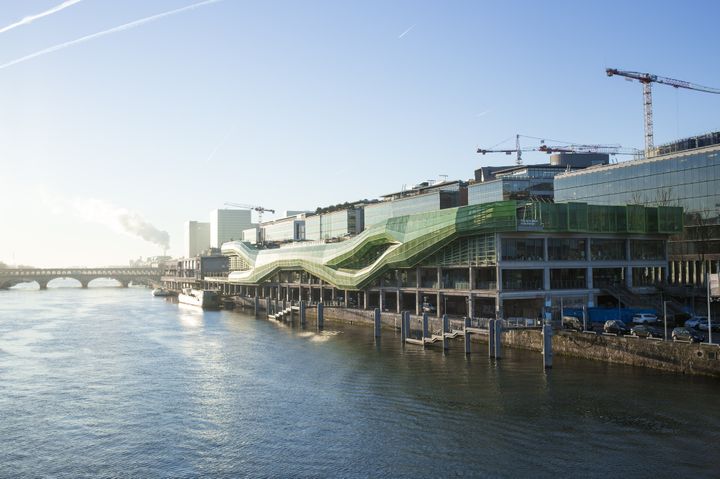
(647, 79)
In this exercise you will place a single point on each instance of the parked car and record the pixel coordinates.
(576, 324)
(696, 321)
(702, 326)
(646, 331)
(644, 318)
(615, 326)
(687, 334)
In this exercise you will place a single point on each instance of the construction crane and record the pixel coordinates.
(260, 209)
(517, 150)
(647, 79)
(566, 147)
(605, 149)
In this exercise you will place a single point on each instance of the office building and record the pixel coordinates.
(197, 238)
(683, 173)
(228, 225)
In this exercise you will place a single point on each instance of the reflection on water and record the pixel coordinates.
(113, 382)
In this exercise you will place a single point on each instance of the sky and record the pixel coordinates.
(110, 143)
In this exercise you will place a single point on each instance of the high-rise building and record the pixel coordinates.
(197, 238)
(228, 225)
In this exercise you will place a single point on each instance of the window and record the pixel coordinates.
(566, 249)
(522, 249)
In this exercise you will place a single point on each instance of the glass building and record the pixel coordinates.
(421, 199)
(684, 173)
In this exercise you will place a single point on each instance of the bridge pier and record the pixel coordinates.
(42, 283)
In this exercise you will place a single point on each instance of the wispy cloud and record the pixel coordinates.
(406, 31)
(119, 28)
(483, 113)
(31, 18)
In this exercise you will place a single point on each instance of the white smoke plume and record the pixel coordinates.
(119, 28)
(119, 219)
(31, 18)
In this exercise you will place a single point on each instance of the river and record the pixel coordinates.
(111, 382)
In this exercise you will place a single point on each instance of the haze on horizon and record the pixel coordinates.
(122, 120)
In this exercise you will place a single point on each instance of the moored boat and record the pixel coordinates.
(163, 292)
(203, 298)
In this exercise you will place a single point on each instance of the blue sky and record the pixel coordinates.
(312, 103)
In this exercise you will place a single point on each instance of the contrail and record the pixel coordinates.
(406, 31)
(32, 18)
(220, 144)
(126, 26)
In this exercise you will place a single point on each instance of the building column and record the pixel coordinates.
(589, 278)
(439, 305)
(471, 306)
(628, 276)
(417, 303)
(546, 278)
(365, 299)
(439, 278)
(399, 300)
(381, 299)
(346, 298)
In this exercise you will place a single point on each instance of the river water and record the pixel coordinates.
(111, 382)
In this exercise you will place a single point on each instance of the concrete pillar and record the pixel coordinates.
(378, 322)
(381, 300)
(267, 305)
(628, 276)
(417, 302)
(303, 313)
(399, 301)
(257, 304)
(403, 326)
(320, 316)
(547, 353)
(445, 329)
(426, 325)
(346, 298)
(365, 299)
(491, 337)
(43, 284)
(471, 277)
(471, 306)
(84, 284)
(467, 336)
(546, 279)
(439, 304)
(589, 278)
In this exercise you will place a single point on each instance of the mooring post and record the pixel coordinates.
(467, 336)
(547, 333)
(320, 318)
(257, 305)
(403, 331)
(407, 324)
(491, 337)
(426, 326)
(302, 313)
(445, 328)
(377, 322)
(498, 338)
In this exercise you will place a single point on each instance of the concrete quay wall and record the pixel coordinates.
(677, 357)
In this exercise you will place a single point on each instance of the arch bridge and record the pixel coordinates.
(11, 277)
